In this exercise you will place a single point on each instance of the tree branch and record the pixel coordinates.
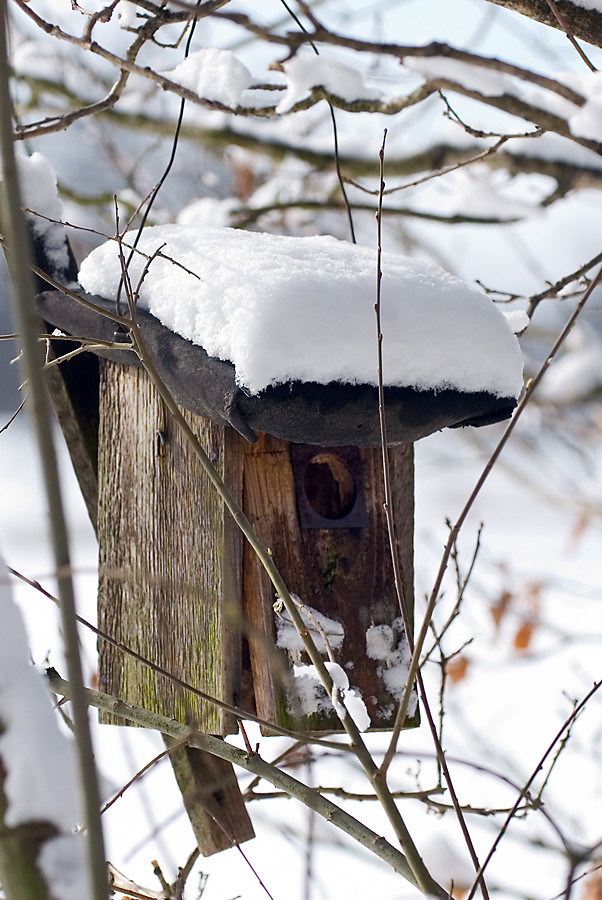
(251, 763)
(583, 23)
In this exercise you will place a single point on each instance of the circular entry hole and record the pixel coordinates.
(329, 486)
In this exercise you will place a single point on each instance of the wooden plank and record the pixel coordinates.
(344, 573)
(212, 799)
(169, 566)
(169, 585)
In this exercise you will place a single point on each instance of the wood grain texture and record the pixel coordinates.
(344, 573)
(169, 585)
(212, 799)
(169, 556)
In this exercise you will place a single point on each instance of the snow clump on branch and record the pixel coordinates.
(212, 74)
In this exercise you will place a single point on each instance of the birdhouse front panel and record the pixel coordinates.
(321, 513)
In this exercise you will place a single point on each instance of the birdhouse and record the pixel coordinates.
(268, 345)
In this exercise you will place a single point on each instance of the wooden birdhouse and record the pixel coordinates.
(297, 442)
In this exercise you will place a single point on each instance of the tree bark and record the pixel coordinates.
(585, 24)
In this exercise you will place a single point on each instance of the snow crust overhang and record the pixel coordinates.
(301, 309)
(333, 414)
(278, 334)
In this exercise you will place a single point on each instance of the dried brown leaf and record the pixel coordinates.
(500, 607)
(456, 668)
(592, 887)
(522, 638)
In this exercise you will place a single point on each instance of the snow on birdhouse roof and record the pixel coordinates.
(301, 309)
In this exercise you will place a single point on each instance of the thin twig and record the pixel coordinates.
(304, 610)
(183, 874)
(567, 30)
(462, 584)
(169, 165)
(140, 774)
(335, 134)
(15, 414)
(555, 288)
(414, 671)
(525, 789)
(478, 157)
(388, 504)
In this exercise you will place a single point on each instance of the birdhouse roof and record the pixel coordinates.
(287, 310)
(278, 334)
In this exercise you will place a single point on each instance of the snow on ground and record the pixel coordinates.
(304, 310)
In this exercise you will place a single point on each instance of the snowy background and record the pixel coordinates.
(529, 634)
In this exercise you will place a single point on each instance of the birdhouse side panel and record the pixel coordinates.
(169, 558)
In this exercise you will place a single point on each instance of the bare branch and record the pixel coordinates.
(252, 763)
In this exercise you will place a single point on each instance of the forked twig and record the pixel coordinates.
(252, 763)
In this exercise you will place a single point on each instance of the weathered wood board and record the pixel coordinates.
(169, 586)
(179, 586)
(169, 556)
(345, 573)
